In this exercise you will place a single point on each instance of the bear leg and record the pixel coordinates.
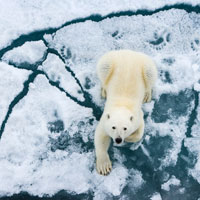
(150, 76)
(102, 143)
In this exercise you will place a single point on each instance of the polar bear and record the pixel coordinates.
(127, 78)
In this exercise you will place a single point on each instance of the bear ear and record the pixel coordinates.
(131, 118)
(108, 116)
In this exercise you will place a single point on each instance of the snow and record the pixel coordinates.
(22, 17)
(196, 69)
(102, 32)
(24, 144)
(172, 181)
(156, 196)
(114, 183)
(30, 53)
(193, 145)
(48, 142)
(12, 79)
(56, 71)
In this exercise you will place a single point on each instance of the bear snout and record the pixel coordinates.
(118, 140)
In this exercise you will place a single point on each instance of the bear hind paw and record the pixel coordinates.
(147, 97)
(103, 92)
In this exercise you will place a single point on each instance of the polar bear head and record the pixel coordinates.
(120, 123)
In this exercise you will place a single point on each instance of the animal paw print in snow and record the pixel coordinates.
(195, 43)
(160, 40)
(117, 35)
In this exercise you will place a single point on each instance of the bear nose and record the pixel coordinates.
(118, 140)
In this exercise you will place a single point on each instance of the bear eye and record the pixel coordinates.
(113, 127)
(108, 116)
(125, 128)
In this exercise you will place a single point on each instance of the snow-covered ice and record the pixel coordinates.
(57, 72)
(32, 53)
(22, 17)
(50, 99)
(156, 196)
(11, 84)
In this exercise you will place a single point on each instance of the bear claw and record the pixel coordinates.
(104, 168)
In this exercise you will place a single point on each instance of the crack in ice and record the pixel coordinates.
(193, 114)
(38, 35)
(17, 99)
(55, 52)
(24, 91)
(88, 102)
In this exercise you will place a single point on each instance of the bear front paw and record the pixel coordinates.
(103, 166)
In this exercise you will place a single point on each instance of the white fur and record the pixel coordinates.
(127, 78)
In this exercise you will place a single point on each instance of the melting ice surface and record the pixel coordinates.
(50, 105)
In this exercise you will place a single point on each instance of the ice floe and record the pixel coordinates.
(25, 56)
